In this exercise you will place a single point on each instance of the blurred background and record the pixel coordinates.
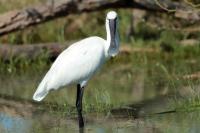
(151, 86)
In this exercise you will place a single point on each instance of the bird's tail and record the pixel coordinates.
(41, 91)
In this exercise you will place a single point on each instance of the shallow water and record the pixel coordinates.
(143, 84)
(174, 122)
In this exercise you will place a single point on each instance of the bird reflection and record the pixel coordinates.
(81, 129)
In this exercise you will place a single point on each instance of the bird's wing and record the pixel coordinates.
(76, 63)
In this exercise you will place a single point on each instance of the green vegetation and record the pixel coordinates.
(115, 85)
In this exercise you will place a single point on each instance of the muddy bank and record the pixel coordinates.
(28, 108)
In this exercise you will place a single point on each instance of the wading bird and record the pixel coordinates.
(79, 62)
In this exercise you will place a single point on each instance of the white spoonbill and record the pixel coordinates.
(79, 62)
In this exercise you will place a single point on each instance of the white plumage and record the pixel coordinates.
(74, 65)
(79, 62)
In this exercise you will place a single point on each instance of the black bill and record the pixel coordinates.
(112, 25)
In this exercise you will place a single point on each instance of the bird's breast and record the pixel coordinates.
(94, 61)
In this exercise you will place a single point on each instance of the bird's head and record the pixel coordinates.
(112, 34)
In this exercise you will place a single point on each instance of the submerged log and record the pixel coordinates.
(20, 19)
(157, 105)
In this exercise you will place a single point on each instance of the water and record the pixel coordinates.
(14, 124)
(130, 94)
(172, 123)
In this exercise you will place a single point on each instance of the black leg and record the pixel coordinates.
(79, 105)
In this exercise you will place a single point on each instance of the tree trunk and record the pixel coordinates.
(20, 19)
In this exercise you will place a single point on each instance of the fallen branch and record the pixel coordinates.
(193, 76)
(51, 50)
(20, 19)
(29, 51)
